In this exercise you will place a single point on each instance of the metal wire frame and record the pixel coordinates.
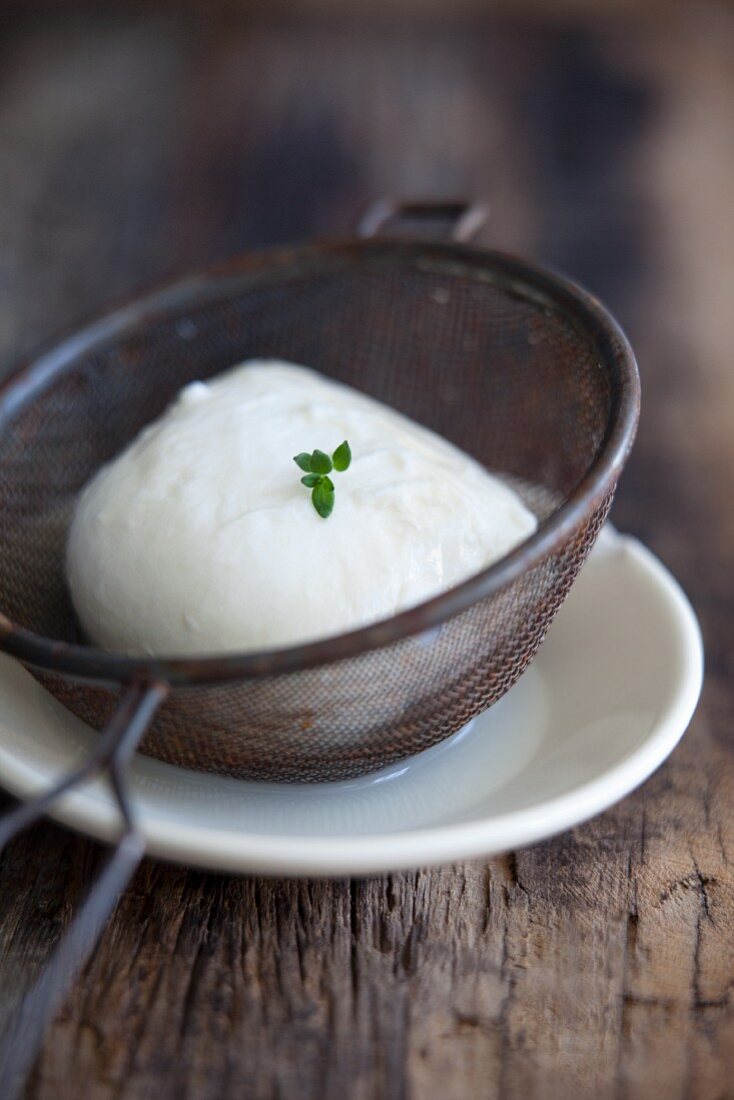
(120, 737)
(111, 755)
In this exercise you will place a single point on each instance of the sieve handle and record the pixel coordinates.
(462, 219)
(116, 745)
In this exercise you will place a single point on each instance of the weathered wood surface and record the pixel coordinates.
(597, 964)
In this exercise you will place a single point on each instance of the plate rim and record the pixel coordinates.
(274, 854)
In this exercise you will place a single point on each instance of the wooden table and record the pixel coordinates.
(600, 963)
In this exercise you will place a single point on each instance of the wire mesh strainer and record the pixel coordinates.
(524, 371)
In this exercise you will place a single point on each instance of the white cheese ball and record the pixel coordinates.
(200, 538)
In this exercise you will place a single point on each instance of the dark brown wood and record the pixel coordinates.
(600, 963)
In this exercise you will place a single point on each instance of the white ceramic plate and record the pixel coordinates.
(605, 701)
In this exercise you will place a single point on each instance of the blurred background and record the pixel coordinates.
(141, 139)
(144, 138)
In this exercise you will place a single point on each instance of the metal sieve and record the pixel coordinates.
(522, 370)
(518, 367)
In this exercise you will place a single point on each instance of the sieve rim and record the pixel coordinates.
(527, 279)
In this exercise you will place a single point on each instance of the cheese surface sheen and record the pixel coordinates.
(200, 538)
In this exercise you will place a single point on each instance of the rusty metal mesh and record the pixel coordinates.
(497, 368)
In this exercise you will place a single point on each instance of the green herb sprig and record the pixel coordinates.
(317, 467)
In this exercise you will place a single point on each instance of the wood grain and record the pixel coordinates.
(600, 963)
